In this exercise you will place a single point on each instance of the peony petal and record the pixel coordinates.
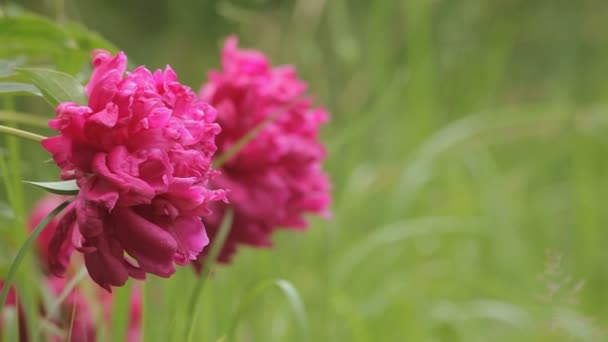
(150, 245)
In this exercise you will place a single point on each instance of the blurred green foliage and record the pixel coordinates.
(467, 149)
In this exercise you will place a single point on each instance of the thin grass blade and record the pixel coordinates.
(207, 265)
(25, 248)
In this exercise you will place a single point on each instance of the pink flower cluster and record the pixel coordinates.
(75, 312)
(276, 178)
(140, 151)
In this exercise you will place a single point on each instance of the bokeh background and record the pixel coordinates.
(467, 148)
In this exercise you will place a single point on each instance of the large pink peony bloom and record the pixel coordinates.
(277, 177)
(140, 152)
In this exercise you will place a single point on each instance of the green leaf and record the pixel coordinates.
(288, 290)
(68, 187)
(40, 40)
(24, 249)
(18, 88)
(6, 211)
(88, 40)
(56, 87)
(32, 35)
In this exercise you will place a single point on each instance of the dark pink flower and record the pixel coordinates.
(40, 210)
(11, 302)
(140, 152)
(276, 178)
(76, 313)
(84, 326)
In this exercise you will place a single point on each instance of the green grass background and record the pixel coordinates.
(467, 149)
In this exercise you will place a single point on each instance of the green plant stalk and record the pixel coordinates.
(56, 305)
(206, 267)
(72, 318)
(21, 133)
(234, 149)
(120, 312)
(24, 249)
(27, 288)
(22, 118)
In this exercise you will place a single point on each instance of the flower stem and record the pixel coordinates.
(22, 118)
(208, 263)
(21, 133)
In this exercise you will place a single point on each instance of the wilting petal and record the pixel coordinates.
(60, 246)
(105, 265)
(150, 245)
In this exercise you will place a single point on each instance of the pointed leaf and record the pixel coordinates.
(56, 87)
(68, 187)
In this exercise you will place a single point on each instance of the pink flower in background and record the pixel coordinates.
(40, 210)
(135, 312)
(84, 326)
(140, 152)
(11, 302)
(277, 177)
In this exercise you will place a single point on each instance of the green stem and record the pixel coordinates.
(210, 260)
(24, 249)
(234, 149)
(21, 133)
(22, 118)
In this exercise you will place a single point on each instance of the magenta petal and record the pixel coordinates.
(60, 246)
(150, 245)
(191, 237)
(105, 265)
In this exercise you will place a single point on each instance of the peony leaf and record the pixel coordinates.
(37, 39)
(56, 87)
(18, 89)
(68, 187)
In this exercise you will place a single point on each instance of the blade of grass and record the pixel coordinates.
(72, 317)
(56, 305)
(211, 259)
(120, 312)
(25, 248)
(288, 290)
(234, 149)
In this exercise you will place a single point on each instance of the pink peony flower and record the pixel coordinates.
(140, 152)
(40, 210)
(84, 326)
(276, 178)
